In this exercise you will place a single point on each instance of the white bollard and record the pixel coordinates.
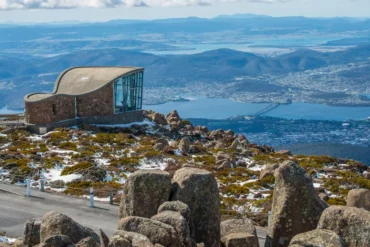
(91, 197)
(28, 183)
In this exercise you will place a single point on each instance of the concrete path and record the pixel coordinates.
(16, 209)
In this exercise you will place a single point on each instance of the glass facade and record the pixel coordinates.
(128, 92)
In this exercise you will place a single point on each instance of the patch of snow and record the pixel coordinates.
(316, 185)
(55, 174)
(35, 138)
(60, 151)
(2, 135)
(248, 181)
(152, 164)
(107, 199)
(7, 240)
(145, 122)
(102, 161)
(257, 167)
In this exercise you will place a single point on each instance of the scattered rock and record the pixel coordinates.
(104, 240)
(95, 174)
(359, 198)
(57, 241)
(135, 239)
(179, 207)
(240, 239)
(144, 192)
(57, 184)
(179, 223)
(317, 238)
(294, 211)
(269, 170)
(159, 119)
(237, 226)
(156, 231)
(323, 196)
(59, 224)
(198, 189)
(118, 241)
(284, 152)
(32, 232)
(159, 146)
(184, 145)
(350, 223)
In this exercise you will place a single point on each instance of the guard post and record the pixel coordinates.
(91, 197)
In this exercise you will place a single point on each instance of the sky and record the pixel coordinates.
(31, 11)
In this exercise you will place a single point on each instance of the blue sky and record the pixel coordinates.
(102, 10)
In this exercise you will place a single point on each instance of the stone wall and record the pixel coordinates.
(98, 103)
(41, 112)
(62, 107)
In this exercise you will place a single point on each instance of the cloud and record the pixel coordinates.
(69, 4)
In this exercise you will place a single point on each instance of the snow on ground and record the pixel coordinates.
(316, 185)
(145, 122)
(102, 161)
(7, 240)
(62, 151)
(257, 167)
(35, 138)
(153, 164)
(106, 199)
(2, 135)
(54, 174)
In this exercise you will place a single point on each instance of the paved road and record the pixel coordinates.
(15, 210)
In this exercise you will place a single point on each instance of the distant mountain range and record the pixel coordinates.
(39, 73)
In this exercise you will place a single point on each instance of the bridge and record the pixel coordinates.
(268, 108)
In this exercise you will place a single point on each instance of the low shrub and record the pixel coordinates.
(80, 166)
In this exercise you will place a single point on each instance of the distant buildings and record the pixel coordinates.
(92, 95)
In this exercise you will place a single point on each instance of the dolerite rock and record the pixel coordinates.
(179, 223)
(296, 207)
(159, 119)
(184, 145)
(57, 241)
(87, 242)
(237, 225)
(32, 232)
(181, 208)
(240, 239)
(135, 239)
(104, 240)
(156, 231)
(235, 144)
(59, 224)
(317, 238)
(95, 174)
(144, 192)
(359, 198)
(238, 232)
(198, 189)
(269, 170)
(118, 241)
(350, 223)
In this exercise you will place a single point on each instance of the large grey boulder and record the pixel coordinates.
(317, 238)
(296, 207)
(54, 223)
(57, 241)
(179, 223)
(198, 189)
(32, 232)
(156, 231)
(350, 223)
(135, 239)
(241, 239)
(87, 242)
(184, 145)
(359, 198)
(269, 170)
(144, 192)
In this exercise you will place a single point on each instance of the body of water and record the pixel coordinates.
(215, 108)
(5, 110)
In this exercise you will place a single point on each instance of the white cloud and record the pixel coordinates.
(67, 4)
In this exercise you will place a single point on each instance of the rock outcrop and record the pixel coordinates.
(144, 192)
(296, 207)
(179, 223)
(123, 238)
(238, 232)
(317, 238)
(198, 189)
(53, 224)
(156, 231)
(359, 198)
(350, 223)
(32, 232)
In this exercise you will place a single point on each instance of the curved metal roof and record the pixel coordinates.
(83, 80)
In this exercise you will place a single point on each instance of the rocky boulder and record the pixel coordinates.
(198, 189)
(32, 232)
(144, 192)
(159, 119)
(54, 223)
(87, 242)
(317, 238)
(179, 223)
(133, 238)
(240, 239)
(350, 223)
(179, 207)
(57, 241)
(296, 207)
(269, 170)
(237, 225)
(95, 174)
(184, 145)
(155, 231)
(359, 198)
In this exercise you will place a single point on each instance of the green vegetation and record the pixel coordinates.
(80, 166)
(68, 146)
(337, 201)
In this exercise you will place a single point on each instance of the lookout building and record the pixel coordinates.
(92, 95)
